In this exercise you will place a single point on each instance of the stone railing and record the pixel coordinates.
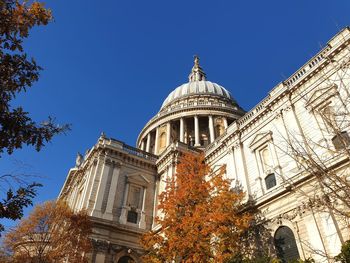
(137, 152)
(253, 112)
(130, 150)
(193, 104)
(307, 67)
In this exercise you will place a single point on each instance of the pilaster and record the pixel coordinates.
(112, 192)
(101, 189)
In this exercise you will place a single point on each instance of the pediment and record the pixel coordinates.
(259, 139)
(321, 95)
(138, 179)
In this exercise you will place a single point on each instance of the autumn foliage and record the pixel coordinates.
(202, 218)
(51, 233)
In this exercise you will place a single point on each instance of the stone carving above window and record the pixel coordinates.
(320, 96)
(137, 179)
(260, 139)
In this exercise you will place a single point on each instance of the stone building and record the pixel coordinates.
(119, 184)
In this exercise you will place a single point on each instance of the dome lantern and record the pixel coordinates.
(197, 73)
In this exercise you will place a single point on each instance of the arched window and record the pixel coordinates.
(266, 159)
(285, 244)
(126, 259)
(328, 116)
(270, 181)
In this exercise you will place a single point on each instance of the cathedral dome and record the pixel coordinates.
(202, 87)
(195, 113)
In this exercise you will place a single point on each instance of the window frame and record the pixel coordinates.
(260, 143)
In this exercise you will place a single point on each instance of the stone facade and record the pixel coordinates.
(119, 184)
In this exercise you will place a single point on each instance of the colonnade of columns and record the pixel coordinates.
(151, 142)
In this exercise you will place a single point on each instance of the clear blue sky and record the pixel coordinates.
(108, 67)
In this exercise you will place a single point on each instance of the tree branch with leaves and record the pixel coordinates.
(18, 72)
(201, 216)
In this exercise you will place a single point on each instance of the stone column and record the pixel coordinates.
(142, 144)
(112, 191)
(196, 131)
(156, 141)
(211, 129)
(101, 189)
(185, 132)
(168, 133)
(148, 143)
(181, 130)
(225, 122)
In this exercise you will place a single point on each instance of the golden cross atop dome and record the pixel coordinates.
(197, 73)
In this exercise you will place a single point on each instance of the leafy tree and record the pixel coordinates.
(265, 258)
(17, 74)
(202, 218)
(51, 233)
(12, 206)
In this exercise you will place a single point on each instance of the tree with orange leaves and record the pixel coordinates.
(51, 233)
(201, 216)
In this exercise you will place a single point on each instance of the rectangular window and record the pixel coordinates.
(132, 216)
(341, 140)
(270, 181)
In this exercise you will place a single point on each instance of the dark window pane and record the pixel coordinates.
(132, 217)
(285, 244)
(340, 141)
(270, 181)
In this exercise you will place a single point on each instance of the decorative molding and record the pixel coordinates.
(260, 139)
(137, 179)
(321, 95)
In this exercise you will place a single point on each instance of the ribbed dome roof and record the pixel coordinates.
(201, 87)
(197, 85)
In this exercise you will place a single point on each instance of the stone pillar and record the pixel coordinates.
(168, 133)
(142, 144)
(88, 185)
(142, 223)
(156, 141)
(101, 189)
(181, 130)
(124, 212)
(196, 131)
(185, 132)
(148, 143)
(94, 184)
(225, 122)
(155, 200)
(112, 191)
(211, 129)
